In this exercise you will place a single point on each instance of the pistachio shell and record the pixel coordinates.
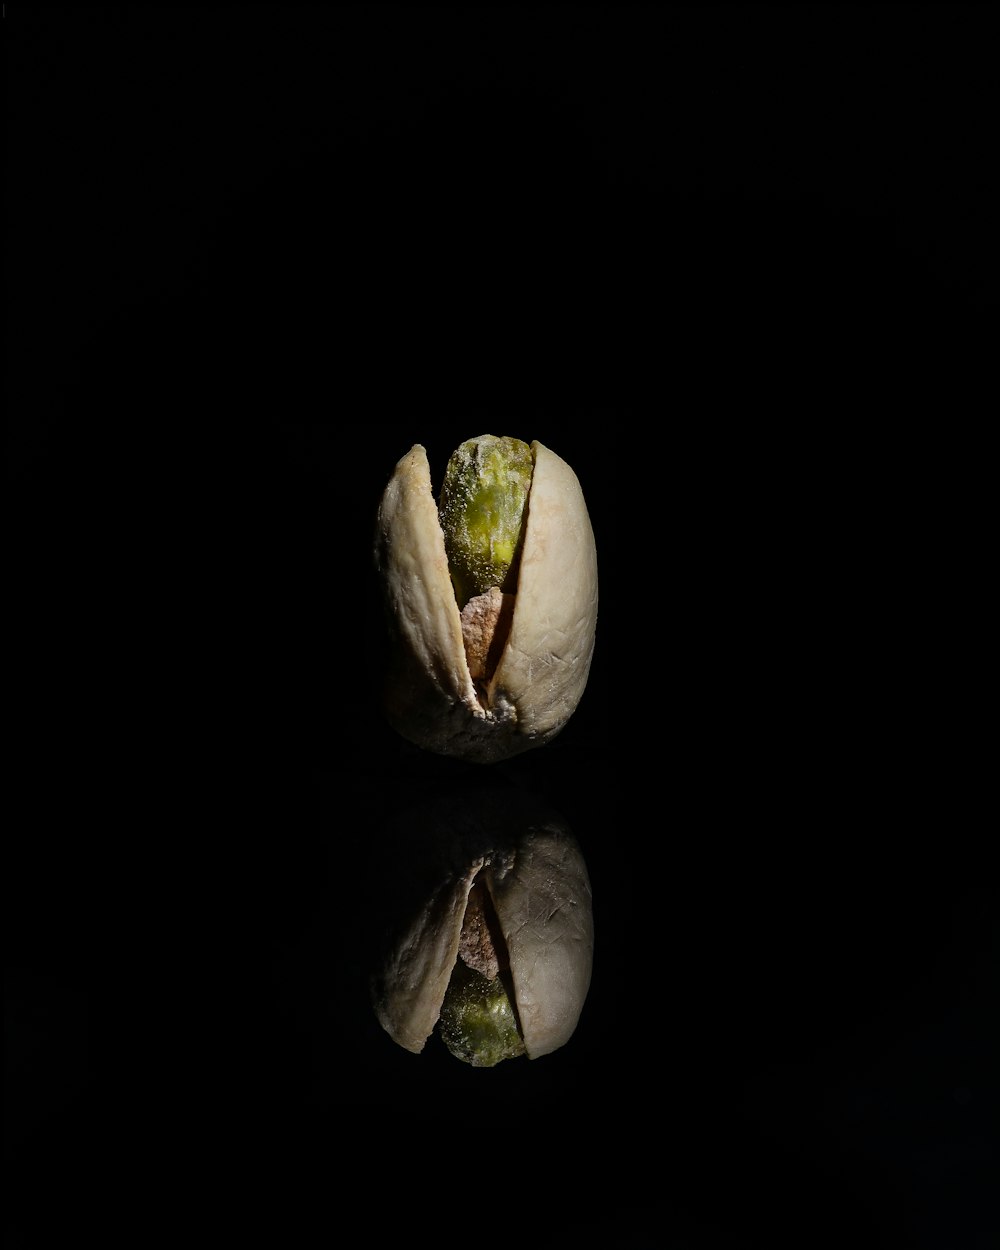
(527, 859)
(430, 695)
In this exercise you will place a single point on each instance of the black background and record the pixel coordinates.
(737, 265)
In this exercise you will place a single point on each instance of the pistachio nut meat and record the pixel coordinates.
(491, 598)
(492, 942)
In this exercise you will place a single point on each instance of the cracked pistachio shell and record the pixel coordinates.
(431, 696)
(530, 864)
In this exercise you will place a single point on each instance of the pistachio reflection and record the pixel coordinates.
(489, 939)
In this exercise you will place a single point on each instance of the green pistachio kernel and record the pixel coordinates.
(482, 506)
(478, 1023)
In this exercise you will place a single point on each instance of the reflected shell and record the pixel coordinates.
(532, 867)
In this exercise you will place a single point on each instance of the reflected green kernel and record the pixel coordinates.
(482, 507)
(478, 1023)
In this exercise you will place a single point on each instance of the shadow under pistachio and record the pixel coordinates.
(485, 925)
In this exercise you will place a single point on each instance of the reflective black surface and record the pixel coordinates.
(717, 260)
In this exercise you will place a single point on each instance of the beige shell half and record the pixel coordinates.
(538, 882)
(430, 697)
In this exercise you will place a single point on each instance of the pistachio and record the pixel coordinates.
(483, 498)
(490, 940)
(491, 602)
(478, 1020)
